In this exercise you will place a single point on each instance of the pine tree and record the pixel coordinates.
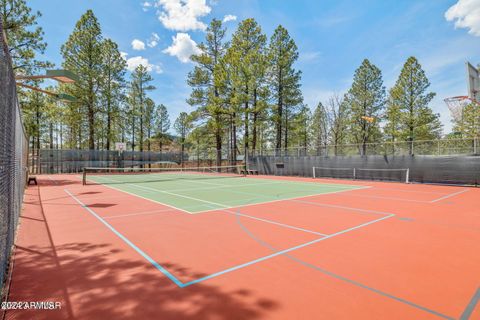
(82, 54)
(468, 126)
(418, 122)
(284, 81)
(301, 125)
(366, 99)
(338, 120)
(393, 126)
(162, 125)
(140, 84)
(34, 106)
(112, 87)
(150, 121)
(24, 36)
(205, 93)
(247, 55)
(320, 129)
(183, 125)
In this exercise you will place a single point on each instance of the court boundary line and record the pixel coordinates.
(181, 284)
(281, 252)
(217, 204)
(467, 313)
(345, 279)
(449, 195)
(127, 241)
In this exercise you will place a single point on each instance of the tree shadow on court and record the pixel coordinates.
(97, 283)
(94, 280)
(59, 182)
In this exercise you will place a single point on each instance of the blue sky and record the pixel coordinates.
(333, 37)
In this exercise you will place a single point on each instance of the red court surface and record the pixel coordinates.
(390, 251)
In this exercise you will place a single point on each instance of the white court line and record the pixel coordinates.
(274, 222)
(278, 200)
(449, 195)
(222, 206)
(139, 196)
(54, 181)
(138, 213)
(226, 207)
(389, 198)
(411, 191)
(157, 211)
(341, 207)
(281, 252)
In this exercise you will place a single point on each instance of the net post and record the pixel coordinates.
(84, 177)
(407, 176)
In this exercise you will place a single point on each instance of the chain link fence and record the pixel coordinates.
(441, 147)
(13, 158)
(73, 161)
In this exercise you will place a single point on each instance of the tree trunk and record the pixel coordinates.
(51, 135)
(91, 121)
(234, 139)
(255, 116)
(246, 133)
(218, 140)
(286, 132)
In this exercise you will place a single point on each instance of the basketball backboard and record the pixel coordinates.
(473, 81)
(120, 146)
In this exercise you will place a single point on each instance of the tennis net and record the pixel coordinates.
(396, 175)
(339, 173)
(142, 175)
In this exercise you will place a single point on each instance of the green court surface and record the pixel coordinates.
(194, 194)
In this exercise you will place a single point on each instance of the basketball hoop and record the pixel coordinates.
(456, 105)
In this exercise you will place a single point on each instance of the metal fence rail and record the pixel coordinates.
(452, 169)
(441, 147)
(13, 158)
(72, 161)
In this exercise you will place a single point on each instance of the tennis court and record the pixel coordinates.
(216, 244)
(194, 190)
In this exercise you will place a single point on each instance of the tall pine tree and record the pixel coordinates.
(366, 101)
(410, 94)
(82, 54)
(284, 81)
(24, 36)
(205, 93)
(112, 87)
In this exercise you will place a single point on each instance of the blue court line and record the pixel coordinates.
(471, 306)
(353, 282)
(125, 239)
(216, 274)
(282, 252)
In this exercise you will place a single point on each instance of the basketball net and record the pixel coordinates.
(456, 105)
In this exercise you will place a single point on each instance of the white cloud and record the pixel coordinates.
(182, 47)
(229, 17)
(138, 45)
(147, 5)
(153, 40)
(466, 14)
(310, 56)
(134, 62)
(182, 15)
